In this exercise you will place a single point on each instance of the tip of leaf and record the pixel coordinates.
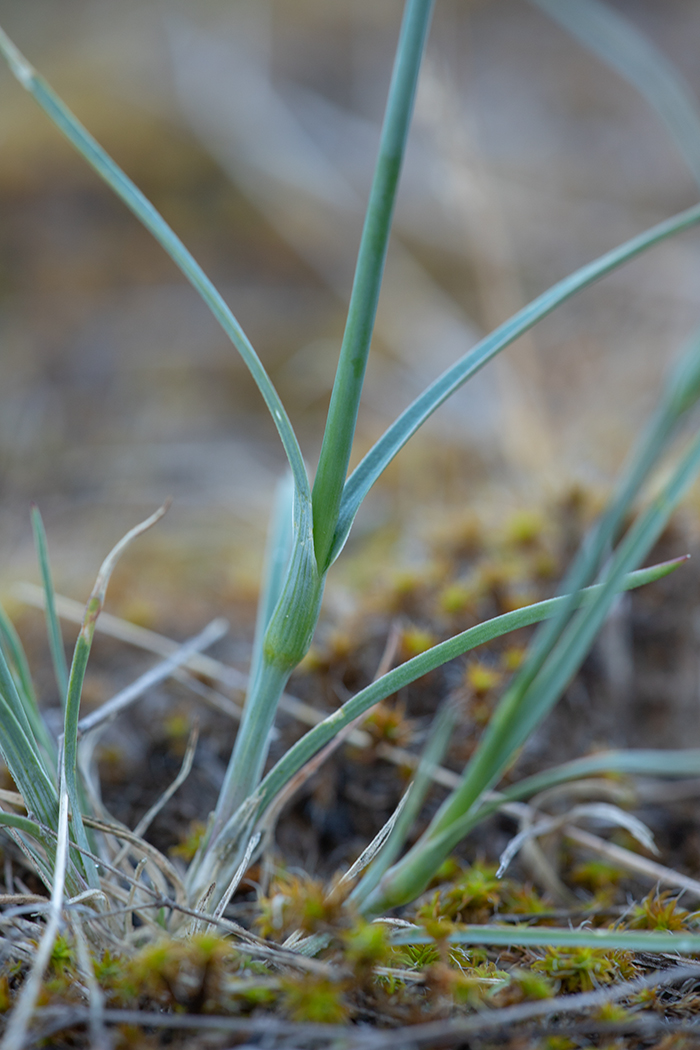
(673, 563)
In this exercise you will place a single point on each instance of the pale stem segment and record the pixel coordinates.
(286, 641)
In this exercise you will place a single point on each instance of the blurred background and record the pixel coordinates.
(252, 125)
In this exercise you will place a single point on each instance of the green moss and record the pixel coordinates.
(366, 945)
(583, 969)
(476, 893)
(661, 911)
(298, 902)
(314, 1000)
(524, 528)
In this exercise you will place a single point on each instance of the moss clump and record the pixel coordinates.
(661, 911)
(192, 973)
(314, 1000)
(298, 903)
(583, 969)
(473, 896)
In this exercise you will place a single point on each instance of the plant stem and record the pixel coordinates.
(294, 619)
(286, 642)
(250, 749)
(347, 388)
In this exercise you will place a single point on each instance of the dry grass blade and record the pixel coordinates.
(200, 910)
(161, 863)
(450, 1033)
(598, 788)
(148, 817)
(10, 899)
(238, 875)
(130, 905)
(253, 945)
(99, 1038)
(597, 810)
(109, 710)
(108, 565)
(211, 697)
(434, 1035)
(633, 862)
(21, 1015)
(152, 642)
(337, 1037)
(133, 634)
(114, 888)
(370, 852)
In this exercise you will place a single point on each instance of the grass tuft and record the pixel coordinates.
(158, 928)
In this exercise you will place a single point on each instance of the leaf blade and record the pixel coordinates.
(408, 672)
(412, 418)
(58, 656)
(100, 161)
(349, 379)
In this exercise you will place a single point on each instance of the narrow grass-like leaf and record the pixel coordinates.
(81, 654)
(533, 936)
(680, 393)
(26, 768)
(53, 627)
(579, 635)
(23, 828)
(650, 763)
(12, 647)
(25, 824)
(144, 211)
(433, 754)
(347, 388)
(420, 665)
(644, 763)
(21, 752)
(10, 694)
(639, 762)
(412, 418)
(19, 693)
(622, 46)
